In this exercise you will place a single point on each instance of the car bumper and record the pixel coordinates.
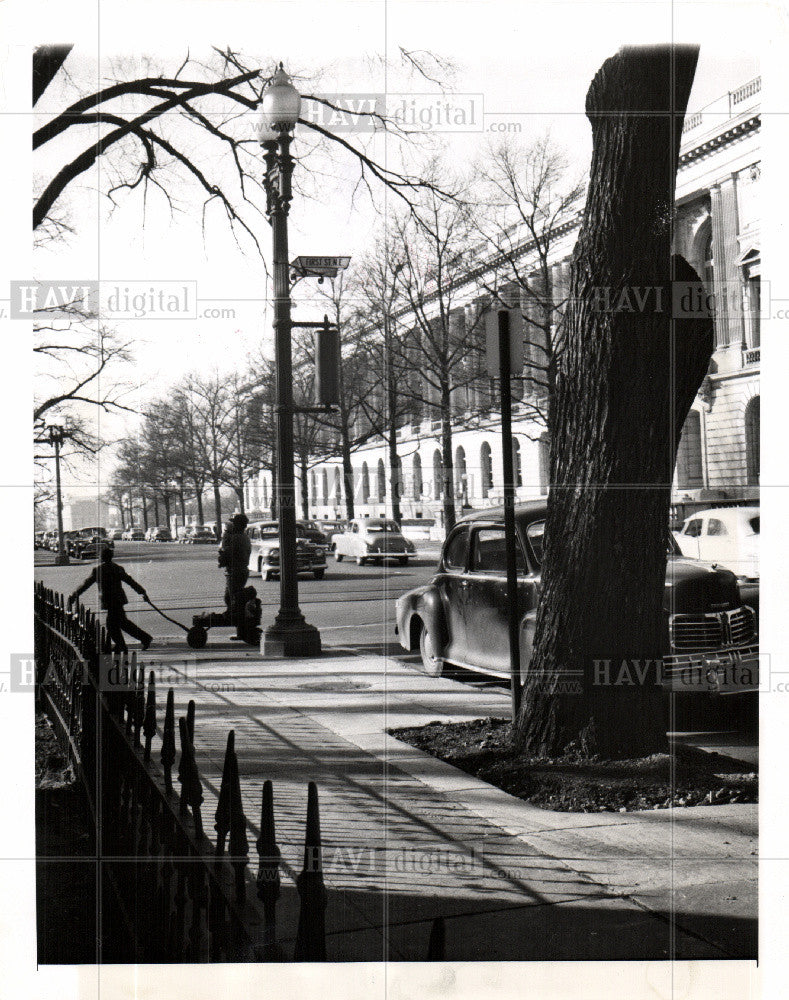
(722, 672)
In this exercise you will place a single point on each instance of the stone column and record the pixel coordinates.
(729, 328)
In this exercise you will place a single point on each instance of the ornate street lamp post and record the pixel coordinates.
(289, 635)
(56, 436)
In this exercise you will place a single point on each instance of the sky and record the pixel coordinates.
(527, 64)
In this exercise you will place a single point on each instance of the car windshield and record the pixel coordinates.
(378, 526)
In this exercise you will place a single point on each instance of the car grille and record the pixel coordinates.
(712, 631)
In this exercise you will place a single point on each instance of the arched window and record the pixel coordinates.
(517, 470)
(461, 480)
(381, 480)
(438, 475)
(417, 469)
(325, 486)
(485, 469)
(690, 470)
(337, 487)
(365, 483)
(752, 427)
(544, 456)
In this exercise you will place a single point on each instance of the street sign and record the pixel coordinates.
(492, 341)
(324, 267)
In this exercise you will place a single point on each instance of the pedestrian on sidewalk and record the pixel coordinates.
(234, 555)
(109, 577)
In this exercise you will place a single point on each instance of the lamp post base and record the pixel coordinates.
(62, 560)
(291, 639)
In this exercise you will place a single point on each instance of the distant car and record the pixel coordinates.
(313, 532)
(264, 555)
(158, 535)
(728, 536)
(38, 539)
(134, 535)
(372, 539)
(50, 541)
(91, 546)
(198, 534)
(460, 616)
(331, 528)
(116, 535)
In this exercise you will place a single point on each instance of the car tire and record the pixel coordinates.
(268, 575)
(360, 560)
(337, 556)
(403, 560)
(433, 665)
(260, 567)
(319, 573)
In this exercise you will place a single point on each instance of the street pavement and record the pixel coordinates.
(408, 838)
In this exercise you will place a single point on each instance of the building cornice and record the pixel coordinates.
(714, 142)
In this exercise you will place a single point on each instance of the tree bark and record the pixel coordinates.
(199, 499)
(305, 486)
(448, 500)
(347, 478)
(624, 385)
(217, 504)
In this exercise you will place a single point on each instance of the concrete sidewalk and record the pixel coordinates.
(408, 838)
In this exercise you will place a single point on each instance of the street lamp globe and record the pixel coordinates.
(281, 104)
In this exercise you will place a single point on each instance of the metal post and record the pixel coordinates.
(290, 635)
(511, 540)
(62, 558)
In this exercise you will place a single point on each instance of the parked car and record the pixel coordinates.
(313, 532)
(50, 541)
(332, 529)
(460, 616)
(134, 535)
(158, 535)
(116, 534)
(728, 536)
(198, 534)
(264, 556)
(373, 539)
(90, 546)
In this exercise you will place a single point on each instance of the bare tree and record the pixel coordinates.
(432, 357)
(212, 102)
(78, 371)
(528, 203)
(624, 385)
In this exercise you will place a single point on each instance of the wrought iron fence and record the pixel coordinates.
(168, 893)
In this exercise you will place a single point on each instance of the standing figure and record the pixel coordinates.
(234, 558)
(108, 577)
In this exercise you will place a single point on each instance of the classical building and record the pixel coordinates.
(717, 231)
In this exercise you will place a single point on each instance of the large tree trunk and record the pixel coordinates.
(624, 385)
(448, 461)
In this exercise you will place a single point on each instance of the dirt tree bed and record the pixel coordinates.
(687, 777)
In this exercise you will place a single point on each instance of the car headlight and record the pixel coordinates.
(273, 554)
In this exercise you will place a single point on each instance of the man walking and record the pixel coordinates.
(108, 577)
(234, 559)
